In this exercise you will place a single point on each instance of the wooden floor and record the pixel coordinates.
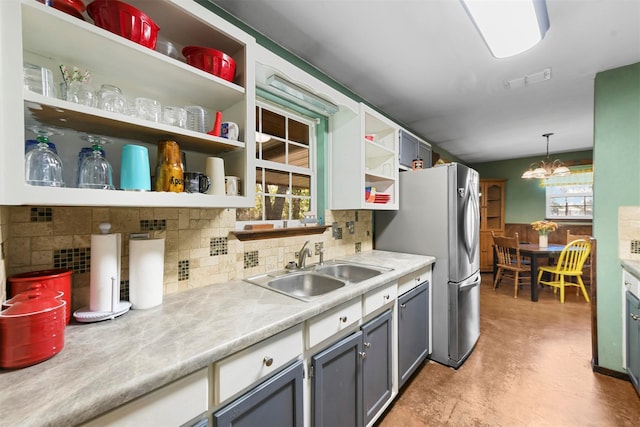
(531, 367)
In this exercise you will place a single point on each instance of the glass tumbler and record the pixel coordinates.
(39, 80)
(95, 171)
(110, 98)
(81, 93)
(148, 109)
(43, 167)
(198, 119)
(174, 116)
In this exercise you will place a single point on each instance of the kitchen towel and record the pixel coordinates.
(104, 286)
(146, 272)
(215, 172)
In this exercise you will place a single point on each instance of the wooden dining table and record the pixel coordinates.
(534, 252)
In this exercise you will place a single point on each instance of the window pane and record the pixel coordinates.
(273, 124)
(276, 208)
(250, 214)
(299, 207)
(274, 151)
(301, 185)
(277, 182)
(299, 156)
(298, 132)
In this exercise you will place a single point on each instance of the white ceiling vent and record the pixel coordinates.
(528, 80)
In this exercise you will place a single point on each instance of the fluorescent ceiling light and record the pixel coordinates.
(509, 27)
(300, 96)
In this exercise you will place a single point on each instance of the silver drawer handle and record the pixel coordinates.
(343, 319)
(268, 361)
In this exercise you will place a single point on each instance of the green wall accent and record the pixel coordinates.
(616, 183)
(525, 199)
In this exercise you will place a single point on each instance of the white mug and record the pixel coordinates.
(229, 130)
(232, 185)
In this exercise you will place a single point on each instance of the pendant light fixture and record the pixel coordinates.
(546, 169)
(509, 27)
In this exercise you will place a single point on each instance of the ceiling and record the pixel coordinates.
(423, 63)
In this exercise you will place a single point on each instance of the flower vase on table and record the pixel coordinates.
(543, 241)
(544, 228)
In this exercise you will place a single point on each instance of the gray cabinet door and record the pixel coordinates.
(376, 365)
(408, 149)
(276, 402)
(424, 152)
(337, 384)
(413, 330)
(633, 339)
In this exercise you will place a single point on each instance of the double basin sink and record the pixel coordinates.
(317, 280)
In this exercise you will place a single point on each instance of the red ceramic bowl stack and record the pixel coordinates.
(31, 328)
(71, 7)
(124, 20)
(211, 60)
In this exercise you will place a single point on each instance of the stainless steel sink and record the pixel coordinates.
(317, 280)
(348, 272)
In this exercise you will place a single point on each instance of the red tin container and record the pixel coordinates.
(31, 329)
(55, 279)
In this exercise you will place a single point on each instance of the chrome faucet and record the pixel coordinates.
(303, 254)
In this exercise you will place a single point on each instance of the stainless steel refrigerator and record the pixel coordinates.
(439, 215)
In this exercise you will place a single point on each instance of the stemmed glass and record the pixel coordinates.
(43, 167)
(94, 170)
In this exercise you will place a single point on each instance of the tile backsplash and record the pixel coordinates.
(629, 232)
(199, 249)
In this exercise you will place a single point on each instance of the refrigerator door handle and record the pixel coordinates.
(471, 219)
(470, 282)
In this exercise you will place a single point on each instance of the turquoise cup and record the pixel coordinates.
(135, 174)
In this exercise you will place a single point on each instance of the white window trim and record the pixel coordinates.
(266, 164)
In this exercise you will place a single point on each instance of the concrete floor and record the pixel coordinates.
(531, 367)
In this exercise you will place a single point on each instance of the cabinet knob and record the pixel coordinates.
(343, 319)
(403, 305)
(367, 345)
(363, 355)
(387, 297)
(635, 317)
(268, 361)
(627, 283)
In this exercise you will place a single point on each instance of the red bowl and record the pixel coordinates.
(211, 60)
(72, 7)
(124, 20)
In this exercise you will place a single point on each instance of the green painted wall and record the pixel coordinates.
(616, 156)
(525, 199)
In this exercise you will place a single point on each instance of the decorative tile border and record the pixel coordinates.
(76, 259)
(41, 215)
(251, 259)
(153, 224)
(219, 246)
(183, 270)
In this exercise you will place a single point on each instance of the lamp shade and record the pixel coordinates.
(509, 27)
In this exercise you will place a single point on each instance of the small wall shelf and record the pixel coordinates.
(273, 233)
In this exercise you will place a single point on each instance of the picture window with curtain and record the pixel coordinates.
(570, 197)
(285, 167)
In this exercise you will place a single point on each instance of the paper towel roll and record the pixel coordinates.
(215, 172)
(104, 286)
(146, 272)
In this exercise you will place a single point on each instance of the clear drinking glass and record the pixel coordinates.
(110, 98)
(39, 80)
(148, 109)
(95, 171)
(42, 166)
(174, 116)
(81, 93)
(198, 119)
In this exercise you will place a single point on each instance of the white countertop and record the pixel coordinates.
(106, 364)
(632, 267)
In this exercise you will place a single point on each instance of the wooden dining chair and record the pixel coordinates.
(508, 259)
(588, 271)
(569, 267)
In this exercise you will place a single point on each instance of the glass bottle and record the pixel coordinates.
(169, 171)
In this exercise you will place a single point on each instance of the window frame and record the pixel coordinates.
(549, 184)
(265, 165)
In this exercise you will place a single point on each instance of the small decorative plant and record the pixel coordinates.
(544, 227)
(75, 74)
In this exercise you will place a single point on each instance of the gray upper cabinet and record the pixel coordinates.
(412, 147)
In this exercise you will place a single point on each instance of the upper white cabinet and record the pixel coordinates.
(31, 32)
(364, 161)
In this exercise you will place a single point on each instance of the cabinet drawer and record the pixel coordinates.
(631, 283)
(250, 365)
(333, 321)
(380, 297)
(410, 281)
(174, 404)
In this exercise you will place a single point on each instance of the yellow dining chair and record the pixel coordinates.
(569, 267)
(509, 260)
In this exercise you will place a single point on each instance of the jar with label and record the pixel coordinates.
(169, 172)
(417, 164)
